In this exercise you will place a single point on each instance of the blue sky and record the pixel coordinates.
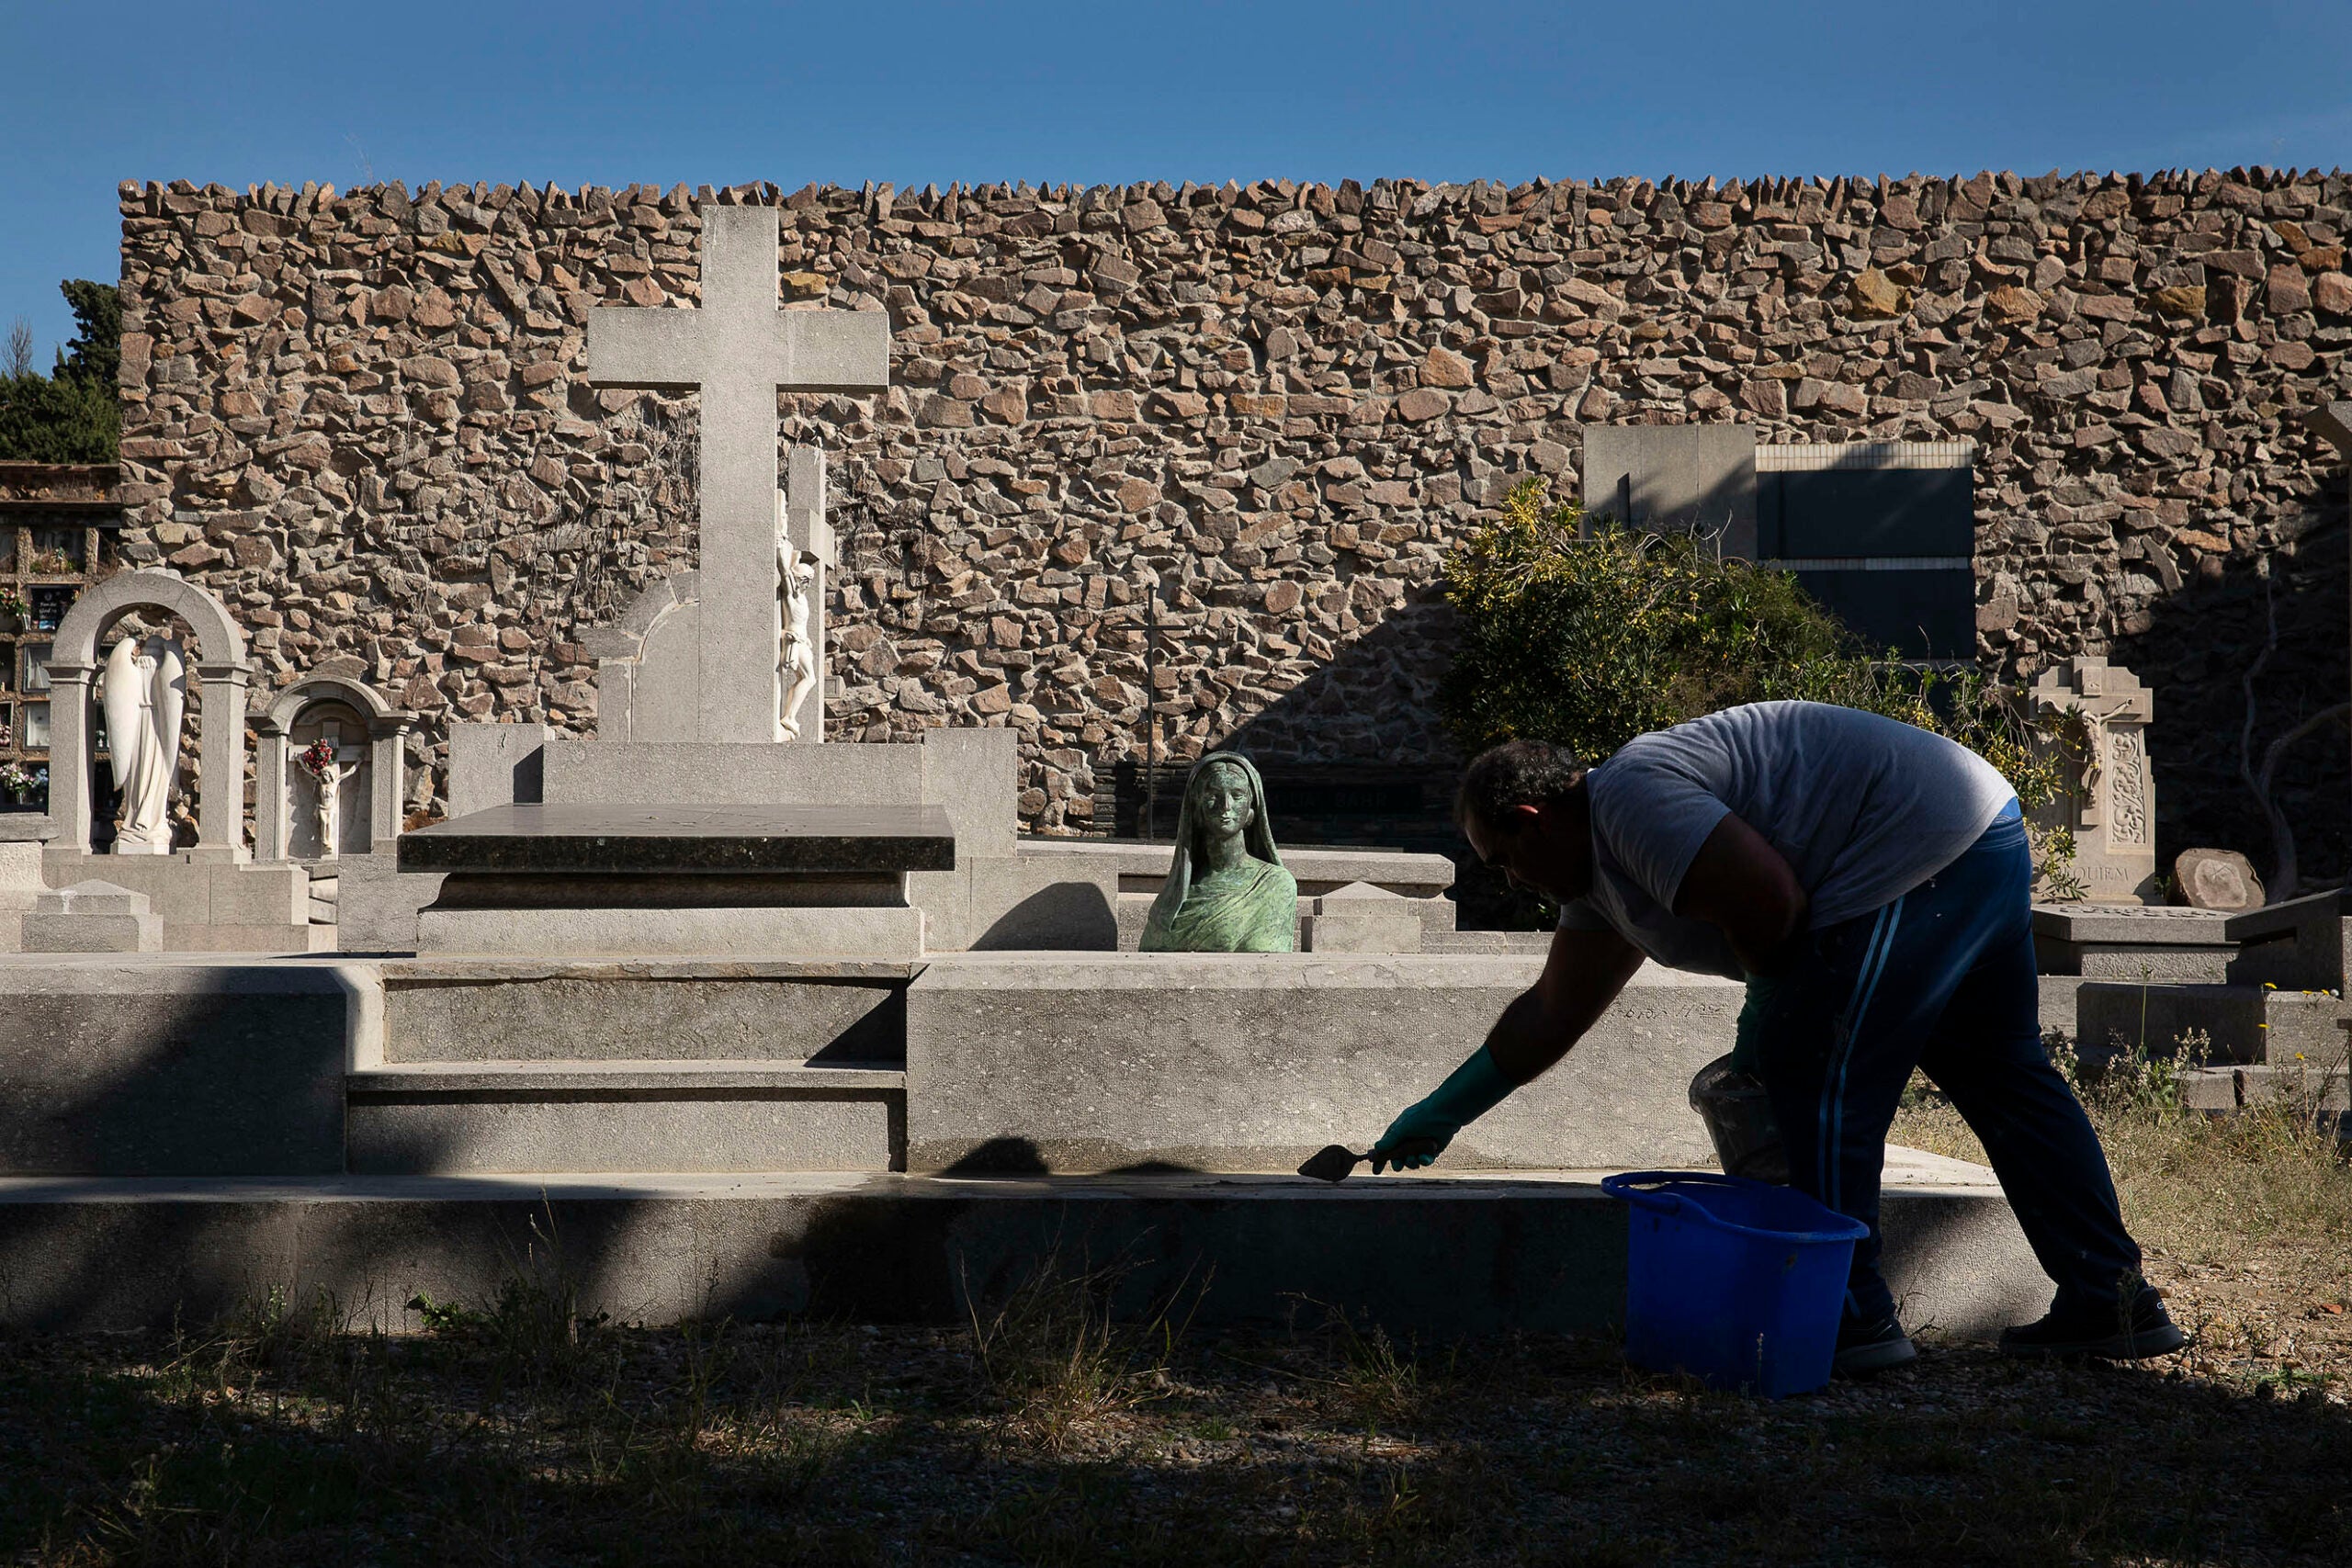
(916, 93)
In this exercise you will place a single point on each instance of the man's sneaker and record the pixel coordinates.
(1867, 1347)
(2128, 1328)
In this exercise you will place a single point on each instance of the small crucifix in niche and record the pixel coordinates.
(329, 762)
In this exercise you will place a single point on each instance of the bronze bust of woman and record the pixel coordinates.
(1226, 890)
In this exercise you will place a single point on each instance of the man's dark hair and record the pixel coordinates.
(1516, 773)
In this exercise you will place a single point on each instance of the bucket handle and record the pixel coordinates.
(1632, 1187)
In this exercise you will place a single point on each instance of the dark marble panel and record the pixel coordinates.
(685, 838)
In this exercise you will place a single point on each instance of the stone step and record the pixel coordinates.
(1426, 1257)
(467, 1118)
(2243, 1023)
(449, 1009)
(274, 939)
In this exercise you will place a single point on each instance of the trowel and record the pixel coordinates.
(1334, 1162)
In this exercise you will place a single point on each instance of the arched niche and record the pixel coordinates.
(221, 669)
(371, 735)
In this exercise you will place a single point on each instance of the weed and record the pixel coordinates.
(1377, 1383)
(1052, 1352)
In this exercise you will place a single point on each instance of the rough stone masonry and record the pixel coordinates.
(362, 419)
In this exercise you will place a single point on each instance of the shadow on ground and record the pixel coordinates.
(516, 1436)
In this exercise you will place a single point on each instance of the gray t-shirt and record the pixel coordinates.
(1864, 808)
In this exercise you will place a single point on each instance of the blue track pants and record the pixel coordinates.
(1942, 979)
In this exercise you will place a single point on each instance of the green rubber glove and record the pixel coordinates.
(1420, 1135)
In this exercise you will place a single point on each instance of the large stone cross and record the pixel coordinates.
(739, 349)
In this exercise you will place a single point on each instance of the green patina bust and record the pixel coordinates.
(1226, 890)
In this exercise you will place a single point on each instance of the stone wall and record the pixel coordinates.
(360, 418)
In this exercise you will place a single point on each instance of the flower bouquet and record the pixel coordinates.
(316, 759)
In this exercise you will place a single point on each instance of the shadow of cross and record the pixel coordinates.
(738, 350)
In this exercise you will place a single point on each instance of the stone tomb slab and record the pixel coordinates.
(2123, 941)
(686, 841)
(738, 881)
(1073, 1062)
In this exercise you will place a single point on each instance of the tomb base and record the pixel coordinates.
(730, 880)
(1421, 1256)
(206, 900)
(674, 933)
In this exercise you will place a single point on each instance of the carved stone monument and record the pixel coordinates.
(2111, 807)
(738, 350)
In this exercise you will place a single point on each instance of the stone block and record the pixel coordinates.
(974, 774)
(678, 841)
(1361, 917)
(2240, 1023)
(20, 866)
(457, 1119)
(212, 937)
(208, 900)
(600, 773)
(1677, 475)
(496, 764)
(1252, 1061)
(1016, 901)
(253, 895)
(2123, 941)
(375, 903)
(91, 916)
(451, 1011)
(2300, 944)
(775, 932)
(147, 1068)
(1421, 1258)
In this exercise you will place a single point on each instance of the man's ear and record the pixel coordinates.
(1519, 819)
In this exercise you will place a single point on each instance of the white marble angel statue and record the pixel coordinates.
(145, 696)
(797, 571)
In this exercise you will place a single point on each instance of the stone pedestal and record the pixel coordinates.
(92, 916)
(207, 900)
(1361, 917)
(2111, 807)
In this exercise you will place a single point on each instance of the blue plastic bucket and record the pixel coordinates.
(1733, 1281)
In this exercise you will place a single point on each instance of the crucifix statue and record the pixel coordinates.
(337, 763)
(803, 548)
(739, 349)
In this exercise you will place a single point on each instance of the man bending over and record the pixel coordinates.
(1871, 883)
